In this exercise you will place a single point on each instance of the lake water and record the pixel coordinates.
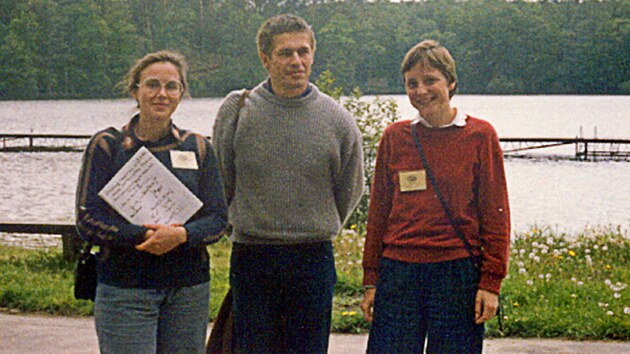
(563, 194)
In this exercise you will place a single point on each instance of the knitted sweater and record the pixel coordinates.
(120, 263)
(411, 226)
(292, 168)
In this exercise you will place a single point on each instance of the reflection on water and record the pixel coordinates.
(38, 187)
(567, 195)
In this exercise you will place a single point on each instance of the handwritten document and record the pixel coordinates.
(144, 191)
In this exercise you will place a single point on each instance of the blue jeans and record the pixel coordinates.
(433, 302)
(138, 321)
(282, 297)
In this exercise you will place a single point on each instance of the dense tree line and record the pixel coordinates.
(82, 48)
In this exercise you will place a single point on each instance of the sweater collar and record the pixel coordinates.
(267, 85)
(458, 121)
(131, 140)
(309, 95)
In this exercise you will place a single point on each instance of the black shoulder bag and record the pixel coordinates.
(476, 261)
(85, 275)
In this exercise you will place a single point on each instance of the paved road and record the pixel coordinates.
(47, 334)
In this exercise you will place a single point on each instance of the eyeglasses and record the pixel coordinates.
(154, 85)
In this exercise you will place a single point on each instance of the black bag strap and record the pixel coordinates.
(458, 231)
(475, 260)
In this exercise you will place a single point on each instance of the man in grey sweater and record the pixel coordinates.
(292, 166)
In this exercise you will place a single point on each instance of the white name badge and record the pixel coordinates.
(413, 181)
(184, 159)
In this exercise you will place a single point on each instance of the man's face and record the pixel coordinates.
(289, 64)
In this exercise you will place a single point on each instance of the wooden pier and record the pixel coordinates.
(583, 149)
(43, 142)
(71, 242)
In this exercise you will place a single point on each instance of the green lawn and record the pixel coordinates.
(559, 285)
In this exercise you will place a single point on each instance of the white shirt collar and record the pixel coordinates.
(459, 121)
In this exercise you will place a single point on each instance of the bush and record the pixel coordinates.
(372, 117)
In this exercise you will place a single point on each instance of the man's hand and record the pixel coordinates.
(160, 239)
(367, 306)
(486, 305)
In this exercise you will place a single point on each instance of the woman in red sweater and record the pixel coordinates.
(422, 281)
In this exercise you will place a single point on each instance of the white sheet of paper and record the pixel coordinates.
(144, 191)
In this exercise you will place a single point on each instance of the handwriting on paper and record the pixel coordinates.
(144, 191)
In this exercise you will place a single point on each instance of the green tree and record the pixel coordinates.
(81, 48)
(233, 63)
(336, 49)
(81, 54)
(22, 73)
(120, 44)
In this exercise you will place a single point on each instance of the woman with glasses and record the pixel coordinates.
(153, 279)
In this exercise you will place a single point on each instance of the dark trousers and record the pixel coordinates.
(282, 297)
(433, 302)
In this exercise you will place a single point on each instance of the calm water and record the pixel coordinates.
(566, 195)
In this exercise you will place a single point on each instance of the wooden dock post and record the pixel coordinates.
(71, 242)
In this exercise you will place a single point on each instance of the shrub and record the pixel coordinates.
(372, 117)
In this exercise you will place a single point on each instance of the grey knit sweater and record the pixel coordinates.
(292, 168)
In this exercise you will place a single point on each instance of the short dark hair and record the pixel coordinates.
(436, 56)
(285, 23)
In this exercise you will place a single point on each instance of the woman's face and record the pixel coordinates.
(159, 91)
(428, 92)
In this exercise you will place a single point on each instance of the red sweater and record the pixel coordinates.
(411, 226)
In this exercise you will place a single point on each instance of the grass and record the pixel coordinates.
(559, 285)
(38, 281)
(576, 289)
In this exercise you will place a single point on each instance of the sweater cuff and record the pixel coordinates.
(490, 282)
(370, 277)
